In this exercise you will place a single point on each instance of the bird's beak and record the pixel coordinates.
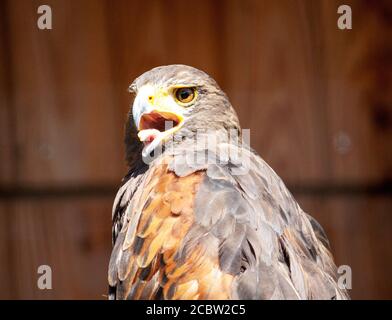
(156, 115)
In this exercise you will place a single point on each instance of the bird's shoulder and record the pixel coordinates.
(149, 258)
(231, 214)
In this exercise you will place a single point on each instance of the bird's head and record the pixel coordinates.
(173, 103)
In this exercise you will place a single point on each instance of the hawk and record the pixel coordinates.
(200, 215)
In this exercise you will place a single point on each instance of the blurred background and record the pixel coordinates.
(317, 99)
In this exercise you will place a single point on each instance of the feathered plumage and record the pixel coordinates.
(211, 220)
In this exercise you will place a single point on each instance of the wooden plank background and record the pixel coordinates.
(318, 102)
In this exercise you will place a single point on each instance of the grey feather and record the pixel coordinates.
(247, 213)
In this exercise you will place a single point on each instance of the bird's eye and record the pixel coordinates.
(185, 95)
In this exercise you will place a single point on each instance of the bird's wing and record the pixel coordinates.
(216, 231)
(271, 247)
(152, 214)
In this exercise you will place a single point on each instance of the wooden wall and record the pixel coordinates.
(316, 99)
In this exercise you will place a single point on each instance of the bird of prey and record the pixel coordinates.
(200, 215)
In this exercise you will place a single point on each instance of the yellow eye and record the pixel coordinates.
(185, 95)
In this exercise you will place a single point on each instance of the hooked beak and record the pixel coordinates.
(156, 116)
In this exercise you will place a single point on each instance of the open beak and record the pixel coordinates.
(156, 117)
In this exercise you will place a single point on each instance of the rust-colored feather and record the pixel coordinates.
(149, 266)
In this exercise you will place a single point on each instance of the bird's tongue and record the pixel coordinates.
(148, 135)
